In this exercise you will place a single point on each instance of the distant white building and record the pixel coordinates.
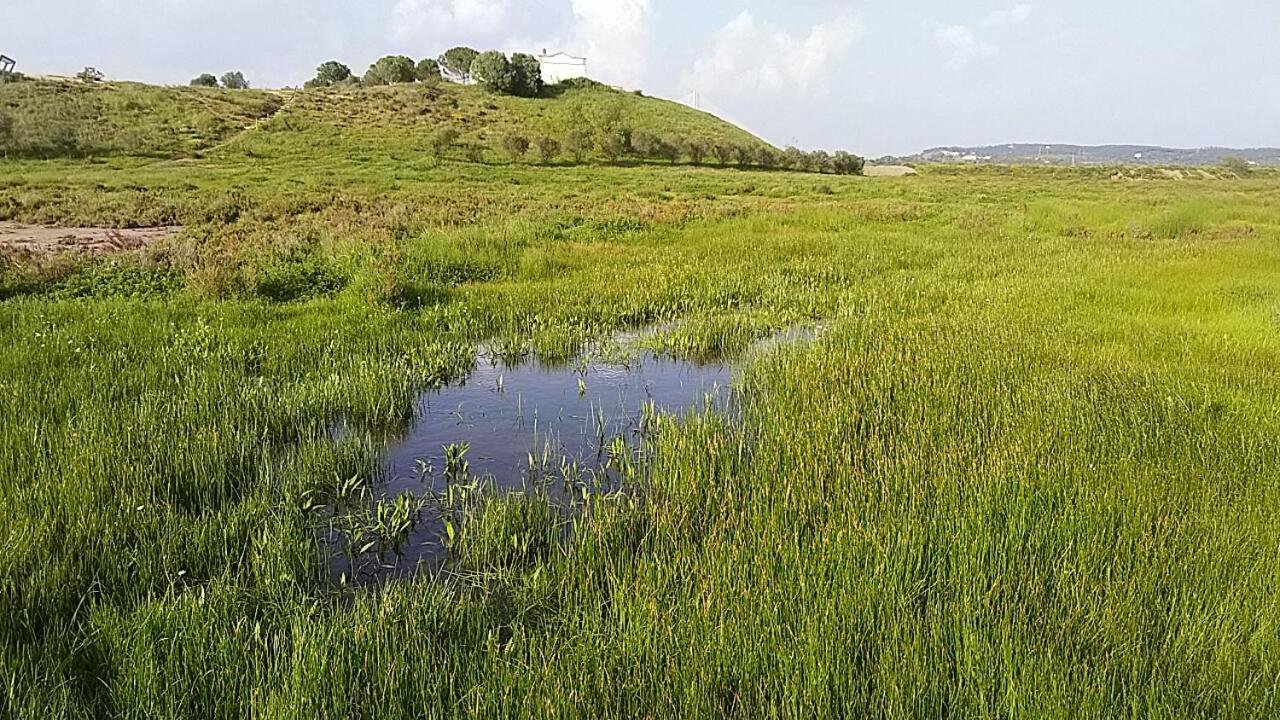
(561, 66)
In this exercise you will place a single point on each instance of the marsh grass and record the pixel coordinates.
(1028, 468)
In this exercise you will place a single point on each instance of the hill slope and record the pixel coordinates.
(61, 119)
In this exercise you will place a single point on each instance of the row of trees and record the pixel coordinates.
(519, 74)
(616, 145)
(233, 80)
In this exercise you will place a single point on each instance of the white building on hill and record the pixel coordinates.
(561, 66)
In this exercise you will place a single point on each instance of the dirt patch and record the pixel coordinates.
(888, 171)
(41, 240)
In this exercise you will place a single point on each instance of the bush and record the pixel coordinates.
(667, 149)
(578, 143)
(6, 132)
(329, 74)
(427, 71)
(516, 145)
(744, 155)
(493, 70)
(793, 158)
(297, 278)
(847, 164)
(90, 75)
(391, 70)
(1237, 166)
(548, 148)
(724, 152)
(614, 144)
(473, 153)
(528, 75)
(695, 149)
(442, 140)
(820, 161)
(644, 145)
(208, 80)
(767, 157)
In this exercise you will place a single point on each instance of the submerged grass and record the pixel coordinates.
(1029, 467)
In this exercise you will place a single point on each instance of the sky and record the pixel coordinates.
(873, 76)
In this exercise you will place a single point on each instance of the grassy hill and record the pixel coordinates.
(70, 119)
(63, 118)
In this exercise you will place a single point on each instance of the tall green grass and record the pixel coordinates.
(1028, 469)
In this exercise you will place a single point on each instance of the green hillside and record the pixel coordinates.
(71, 119)
(63, 118)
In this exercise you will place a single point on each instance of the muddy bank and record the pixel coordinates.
(41, 240)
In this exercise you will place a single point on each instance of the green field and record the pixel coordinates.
(1030, 467)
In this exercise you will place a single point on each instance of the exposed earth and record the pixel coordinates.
(41, 240)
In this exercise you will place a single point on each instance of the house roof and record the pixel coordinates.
(559, 56)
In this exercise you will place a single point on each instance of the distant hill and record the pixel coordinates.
(61, 118)
(1051, 154)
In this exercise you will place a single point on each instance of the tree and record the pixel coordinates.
(723, 151)
(548, 148)
(234, 80)
(442, 140)
(820, 161)
(667, 149)
(578, 143)
(456, 63)
(528, 75)
(390, 70)
(329, 74)
(208, 80)
(494, 71)
(767, 157)
(695, 148)
(744, 155)
(644, 144)
(1237, 166)
(427, 71)
(90, 74)
(793, 158)
(845, 163)
(614, 144)
(516, 145)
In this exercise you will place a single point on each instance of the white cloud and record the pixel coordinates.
(614, 36)
(750, 57)
(1012, 17)
(433, 18)
(963, 45)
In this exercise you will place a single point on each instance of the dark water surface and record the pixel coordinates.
(526, 425)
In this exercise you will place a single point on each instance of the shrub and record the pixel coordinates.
(427, 70)
(793, 158)
(724, 152)
(820, 161)
(1237, 166)
(528, 75)
(516, 145)
(473, 153)
(548, 148)
(667, 149)
(494, 71)
(456, 63)
(234, 80)
(442, 140)
(578, 143)
(744, 155)
(90, 75)
(767, 157)
(644, 145)
(847, 164)
(297, 278)
(208, 80)
(614, 144)
(329, 74)
(696, 150)
(391, 70)
(6, 131)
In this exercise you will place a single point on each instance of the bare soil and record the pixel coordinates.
(888, 171)
(41, 240)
